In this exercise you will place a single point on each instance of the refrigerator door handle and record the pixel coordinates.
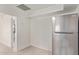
(64, 32)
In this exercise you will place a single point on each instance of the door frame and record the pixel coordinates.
(14, 35)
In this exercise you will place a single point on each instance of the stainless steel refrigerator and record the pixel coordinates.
(65, 35)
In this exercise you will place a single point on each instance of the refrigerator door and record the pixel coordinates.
(66, 23)
(65, 44)
(65, 35)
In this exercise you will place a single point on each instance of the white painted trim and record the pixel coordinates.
(21, 48)
(41, 47)
(15, 50)
(3, 42)
(14, 44)
(66, 13)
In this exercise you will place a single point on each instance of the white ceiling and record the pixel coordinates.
(39, 6)
(13, 10)
(70, 6)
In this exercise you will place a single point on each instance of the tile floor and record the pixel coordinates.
(4, 50)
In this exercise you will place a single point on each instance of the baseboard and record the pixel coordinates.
(3, 42)
(15, 50)
(18, 49)
(41, 47)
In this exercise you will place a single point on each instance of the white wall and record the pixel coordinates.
(5, 29)
(41, 32)
(22, 24)
(23, 33)
(24, 38)
(41, 27)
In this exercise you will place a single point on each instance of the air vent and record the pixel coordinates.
(23, 7)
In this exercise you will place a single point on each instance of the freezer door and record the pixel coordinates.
(66, 23)
(65, 44)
